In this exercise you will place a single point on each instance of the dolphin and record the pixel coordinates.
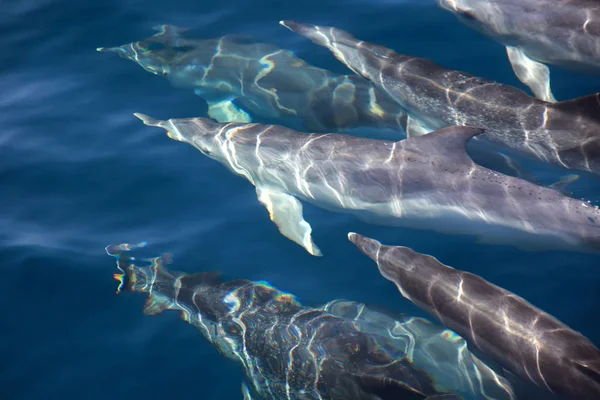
(424, 182)
(242, 79)
(440, 352)
(565, 133)
(522, 338)
(288, 351)
(537, 32)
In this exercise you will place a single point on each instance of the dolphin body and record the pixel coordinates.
(436, 350)
(537, 32)
(288, 351)
(525, 340)
(565, 133)
(242, 79)
(425, 182)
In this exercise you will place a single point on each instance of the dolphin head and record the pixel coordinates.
(475, 13)
(157, 53)
(201, 133)
(394, 263)
(151, 56)
(400, 265)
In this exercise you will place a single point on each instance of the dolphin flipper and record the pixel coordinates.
(532, 73)
(226, 111)
(562, 184)
(286, 211)
(415, 128)
(246, 392)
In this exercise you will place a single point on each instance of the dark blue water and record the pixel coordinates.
(78, 172)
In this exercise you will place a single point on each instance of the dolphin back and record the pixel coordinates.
(522, 338)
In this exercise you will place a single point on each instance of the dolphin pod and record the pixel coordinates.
(242, 79)
(424, 182)
(565, 133)
(288, 351)
(525, 340)
(535, 32)
(345, 350)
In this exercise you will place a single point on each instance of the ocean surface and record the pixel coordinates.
(78, 172)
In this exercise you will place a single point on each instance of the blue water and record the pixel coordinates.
(78, 172)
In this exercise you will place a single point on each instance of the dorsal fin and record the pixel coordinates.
(446, 145)
(169, 31)
(586, 105)
(451, 138)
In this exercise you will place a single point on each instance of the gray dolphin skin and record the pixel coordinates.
(242, 79)
(438, 351)
(423, 182)
(537, 32)
(288, 351)
(565, 133)
(525, 340)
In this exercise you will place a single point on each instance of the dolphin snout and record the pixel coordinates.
(319, 35)
(449, 5)
(367, 245)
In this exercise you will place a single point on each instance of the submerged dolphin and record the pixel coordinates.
(564, 33)
(241, 79)
(288, 351)
(566, 133)
(525, 340)
(425, 182)
(438, 351)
